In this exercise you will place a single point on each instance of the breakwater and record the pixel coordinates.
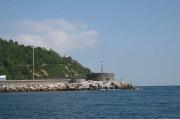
(58, 85)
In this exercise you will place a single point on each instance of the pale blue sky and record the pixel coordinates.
(138, 40)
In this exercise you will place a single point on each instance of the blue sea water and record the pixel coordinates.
(161, 102)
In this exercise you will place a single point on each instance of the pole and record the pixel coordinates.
(102, 66)
(33, 63)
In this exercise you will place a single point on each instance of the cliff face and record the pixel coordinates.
(41, 85)
(16, 63)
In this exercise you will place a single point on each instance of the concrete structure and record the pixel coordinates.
(100, 76)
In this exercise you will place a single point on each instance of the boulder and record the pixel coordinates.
(101, 84)
(84, 85)
(94, 85)
(62, 86)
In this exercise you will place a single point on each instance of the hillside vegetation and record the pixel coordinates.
(16, 63)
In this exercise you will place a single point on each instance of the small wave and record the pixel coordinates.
(137, 88)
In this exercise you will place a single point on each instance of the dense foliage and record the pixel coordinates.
(16, 63)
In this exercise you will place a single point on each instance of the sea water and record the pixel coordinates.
(161, 102)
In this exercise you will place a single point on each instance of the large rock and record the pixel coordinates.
(62, 86)
(73, 86)
(94, 85)
(101, 84)
(84, 85)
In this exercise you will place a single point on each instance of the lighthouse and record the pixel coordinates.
(102, 76)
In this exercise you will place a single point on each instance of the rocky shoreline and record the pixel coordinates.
(35, 86)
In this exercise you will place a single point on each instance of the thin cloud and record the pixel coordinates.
(58, 34)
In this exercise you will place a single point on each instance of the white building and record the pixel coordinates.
(67, 55)
(2, 77)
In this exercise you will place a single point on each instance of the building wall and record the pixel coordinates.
(100, 76)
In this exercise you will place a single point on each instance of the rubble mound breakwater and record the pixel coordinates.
(42, 85)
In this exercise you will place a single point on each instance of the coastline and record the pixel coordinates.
(60, 85)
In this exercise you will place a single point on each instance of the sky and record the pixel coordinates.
(138, 40)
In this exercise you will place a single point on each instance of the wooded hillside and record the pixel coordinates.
(16, 63)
